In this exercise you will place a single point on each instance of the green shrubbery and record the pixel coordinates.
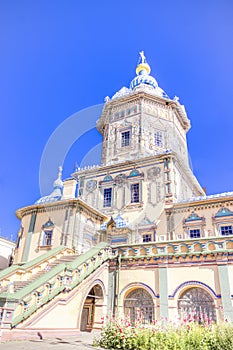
(189, 335)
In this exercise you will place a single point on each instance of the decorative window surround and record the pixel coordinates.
(223, 221)
(46, 239)
(194, 226)
(125, 138)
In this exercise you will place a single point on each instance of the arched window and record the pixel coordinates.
(196, 302)
(138, 305)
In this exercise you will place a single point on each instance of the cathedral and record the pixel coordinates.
(135, 235)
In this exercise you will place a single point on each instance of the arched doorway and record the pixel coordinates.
(92, 310)
(198, 302)
(138, 304)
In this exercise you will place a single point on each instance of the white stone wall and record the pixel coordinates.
(6, 251)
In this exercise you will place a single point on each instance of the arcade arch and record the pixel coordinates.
(198, 302)
(139, 305)
(92, 311)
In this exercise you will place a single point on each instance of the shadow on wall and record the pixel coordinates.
(4, 262)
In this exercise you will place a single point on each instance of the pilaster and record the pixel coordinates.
(163, 292)
(225, 291)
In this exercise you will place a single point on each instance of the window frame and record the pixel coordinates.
(111, 197)
(194, 222)
(196, 235)
(123, 140)
(47, 238)
(158, 138)
(224, 226)
(132, 200)
(147, 237)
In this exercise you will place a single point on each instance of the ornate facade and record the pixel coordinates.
(140, 236)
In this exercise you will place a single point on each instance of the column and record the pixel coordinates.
(111, 293)
(225, 292)
(163, 292)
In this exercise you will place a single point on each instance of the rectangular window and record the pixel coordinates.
(195, 233)
(158, 139)
(125, 138)
(226, 230)
(107, 197)
(47, 238)
(135, 193)
(147, 238)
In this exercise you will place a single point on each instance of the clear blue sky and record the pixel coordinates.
(58, 57)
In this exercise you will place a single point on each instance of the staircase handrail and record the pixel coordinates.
(81, 267)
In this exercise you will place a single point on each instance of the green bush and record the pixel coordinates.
(120, 334)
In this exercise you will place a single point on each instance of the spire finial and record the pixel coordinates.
(143, 57)
(59, 172)
(143, 67)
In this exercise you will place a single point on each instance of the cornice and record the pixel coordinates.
(63, 204)
(204, 203)
(140, 96)
(124, 165)
(205, 250)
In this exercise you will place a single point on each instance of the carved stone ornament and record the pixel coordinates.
(120, 179)
(91, 185)
(153, 173)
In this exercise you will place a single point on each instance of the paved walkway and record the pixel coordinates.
(82, 341)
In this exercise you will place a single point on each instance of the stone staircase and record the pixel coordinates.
(28, 288)
(18, 285)
(64, 259)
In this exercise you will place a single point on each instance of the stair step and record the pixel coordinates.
(21, 284)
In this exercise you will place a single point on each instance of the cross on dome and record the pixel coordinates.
(143, 57)
(142, 80)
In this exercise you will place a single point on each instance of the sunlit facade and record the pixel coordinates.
(135, 236)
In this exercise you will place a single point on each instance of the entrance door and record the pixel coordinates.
(84, 319)
(92, 310)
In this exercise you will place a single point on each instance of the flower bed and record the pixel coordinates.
(188, 335)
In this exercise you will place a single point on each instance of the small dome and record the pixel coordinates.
(142, 82)
(56, 195)
(58, 183)
(143, 79)
(143, 74)
(120, 222)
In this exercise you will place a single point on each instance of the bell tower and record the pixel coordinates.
(142, 121)
(144, 167)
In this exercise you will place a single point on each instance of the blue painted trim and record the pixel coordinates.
(133, 173)
(218, 296)
(193, 217)
(107, 178)
(48, 224)
(223, 212)
(139, 285)
(118, 240)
